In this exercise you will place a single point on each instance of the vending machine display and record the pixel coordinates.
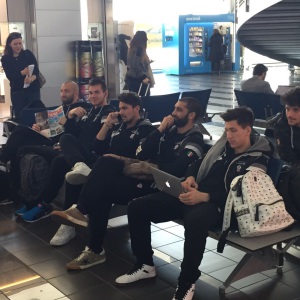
(88, 62)
(195, 41)
(185, 44)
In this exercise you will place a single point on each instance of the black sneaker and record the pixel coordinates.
(184, 291)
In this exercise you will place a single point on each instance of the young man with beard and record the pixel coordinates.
(116, 179)
(75, 145)
(287, 130)
(202, 204)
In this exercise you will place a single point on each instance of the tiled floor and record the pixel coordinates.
(31, 269)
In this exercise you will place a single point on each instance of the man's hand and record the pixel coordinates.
(167, 122)
(193, 196)
(77, 112)
(112, 118)
(189, 182)
(146, 80)
(36, 127)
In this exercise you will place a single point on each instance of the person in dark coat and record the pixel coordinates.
(216, 53)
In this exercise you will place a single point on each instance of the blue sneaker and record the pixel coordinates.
(21, 211)
(37, 213)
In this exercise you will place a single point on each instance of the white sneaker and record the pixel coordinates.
(137, 273)
(184, 291)
(79, 174)
(63, 235)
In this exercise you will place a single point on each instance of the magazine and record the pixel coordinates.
(50, 121)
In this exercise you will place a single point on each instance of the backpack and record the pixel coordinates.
(34, 176)
(289, 189)
(258, 207)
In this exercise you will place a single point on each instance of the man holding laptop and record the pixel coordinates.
(172, 147)
(202, 204)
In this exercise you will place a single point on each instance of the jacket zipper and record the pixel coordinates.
(256, 217)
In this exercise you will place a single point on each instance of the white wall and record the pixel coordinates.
(57, 23)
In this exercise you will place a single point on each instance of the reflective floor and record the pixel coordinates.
(31, 269)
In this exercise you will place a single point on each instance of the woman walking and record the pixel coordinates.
(138, 65)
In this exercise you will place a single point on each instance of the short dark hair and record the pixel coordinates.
(242, 114)
(12, 36)
(98, 81)
(193, 105)
(132, 99)
(292, 97)
(259, 69)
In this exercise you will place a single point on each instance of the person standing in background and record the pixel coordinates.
(216, 53)
(15, 62)
(138, 65)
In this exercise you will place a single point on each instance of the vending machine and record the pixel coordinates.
(88, 63)
(185, 44)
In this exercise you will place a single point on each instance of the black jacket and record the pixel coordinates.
(124, 141)
(288, 140)
(221, 165)
(86, 128)
(14, 65)
(215, 43)
(172, 152)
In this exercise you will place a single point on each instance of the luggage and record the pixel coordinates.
(141, 85)
(34, 172)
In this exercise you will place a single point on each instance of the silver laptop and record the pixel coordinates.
(283, 89)
(167, 183)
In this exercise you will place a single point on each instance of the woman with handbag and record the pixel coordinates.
(138, 65)
(24, 85)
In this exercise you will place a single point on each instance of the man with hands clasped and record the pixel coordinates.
(201, 206)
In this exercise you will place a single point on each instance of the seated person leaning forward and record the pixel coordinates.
(172, 148)
(202, 206)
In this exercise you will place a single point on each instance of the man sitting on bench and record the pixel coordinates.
(202, 206)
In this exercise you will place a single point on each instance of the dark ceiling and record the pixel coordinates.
(274, 32)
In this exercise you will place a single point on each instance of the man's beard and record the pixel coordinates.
(181, 122)
(67, 101)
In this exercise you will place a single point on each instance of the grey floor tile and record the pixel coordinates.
(212, 262)
(174, 249)
(75, 281)
(162, 237)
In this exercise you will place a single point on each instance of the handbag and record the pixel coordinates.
(41, 79)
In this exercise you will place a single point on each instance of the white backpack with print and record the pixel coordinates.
(257, 205)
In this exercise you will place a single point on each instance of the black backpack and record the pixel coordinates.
(289, 189)
(34, 172)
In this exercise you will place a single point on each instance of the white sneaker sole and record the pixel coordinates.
(54, 242)
(63, 218)
(77, 178)
(134, 282)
